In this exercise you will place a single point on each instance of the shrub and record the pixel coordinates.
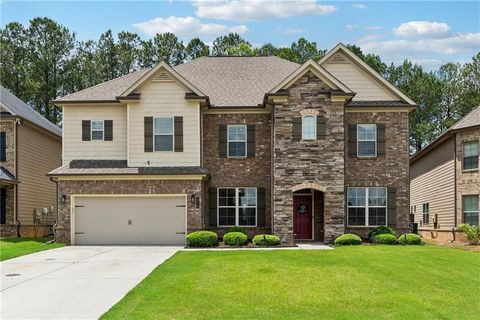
(348, 239)
(472, 232)
(235, 238)
(202, 239)
(380, 230)
(266, 240)
(410, 239)
(385, 238)
(236, 229)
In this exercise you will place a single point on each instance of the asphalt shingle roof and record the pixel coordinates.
(470, 120)
(227, 81)
(21, 109)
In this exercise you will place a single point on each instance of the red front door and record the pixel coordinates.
(302, 217)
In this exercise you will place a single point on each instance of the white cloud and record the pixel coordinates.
(422, 28)
(291, 30)
(187, 27)
(259, 9)
(447, 46)
(372, 28)
(359, 6)
(351, 27)
(370, 37)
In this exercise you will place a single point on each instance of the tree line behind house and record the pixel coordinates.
(43, 60)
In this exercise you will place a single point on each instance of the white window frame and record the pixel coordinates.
(463, 155)
(164, 134)
(228, 140)
(314, 126)
(358, 140)
(97, 130)
(367, 207)
(470, 211)
(237, 207)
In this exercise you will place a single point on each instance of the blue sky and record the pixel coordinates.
(429, 33)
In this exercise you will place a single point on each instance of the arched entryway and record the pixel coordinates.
(308, 212)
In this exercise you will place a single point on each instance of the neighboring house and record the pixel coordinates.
(306, 152)
(445, 179)
(30, 147)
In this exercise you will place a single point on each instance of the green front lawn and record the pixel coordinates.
(363, 282)
(16, 247)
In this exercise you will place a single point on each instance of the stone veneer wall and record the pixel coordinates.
(232, 172)
(9, 229)
(106, 187)
(390, 171)
(468, 182)
(318, 161)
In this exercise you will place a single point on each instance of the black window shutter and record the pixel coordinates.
(321, 127)
(85, 130)
(108, 130)
(381, 141)
(148, 134)
(297, 129)
(3, 147)
(178, 128)
(260, 207)
(222, 141)
(212, 207)
(352, 140)
(392, 208)
(251, 141)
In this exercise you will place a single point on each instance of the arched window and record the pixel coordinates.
(309, 130)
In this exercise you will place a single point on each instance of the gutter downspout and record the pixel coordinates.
(455, 184)
(15, 211)
(54, 228)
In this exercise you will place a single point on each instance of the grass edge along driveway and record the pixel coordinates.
(15, 247)
(362, 282)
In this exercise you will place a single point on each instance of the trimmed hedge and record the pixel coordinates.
(410, 239)
(348, 239)
(385, 238)
(236, 229)
(202, 239)
(235, 238)
(266, 240)
(380, 230)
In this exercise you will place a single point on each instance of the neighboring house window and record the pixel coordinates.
(97, 129)
(470, 210)
(309, 127)
(163, 134)
(237, 207)
(470, 156)
(366, 140)
(237, 141)
(3, 146)
(426, 213)
(367, 206)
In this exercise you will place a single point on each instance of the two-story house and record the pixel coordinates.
(30, 147)
(445, 180)
(306, 152)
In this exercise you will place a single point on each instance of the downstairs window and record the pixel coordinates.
(367, 207)
(237, 207)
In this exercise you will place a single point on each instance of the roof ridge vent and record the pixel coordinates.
(162, 77)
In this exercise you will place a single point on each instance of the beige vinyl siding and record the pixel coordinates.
(163, 99)
(366, 88)
(38, 153)
(432, 180)
(75, 148)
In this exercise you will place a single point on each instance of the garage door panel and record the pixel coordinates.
(130, 220)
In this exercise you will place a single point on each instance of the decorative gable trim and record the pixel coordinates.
(163, 77)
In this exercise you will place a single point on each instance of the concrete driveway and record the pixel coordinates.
(76, 282)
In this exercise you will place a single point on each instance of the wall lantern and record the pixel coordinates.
(64, 198)
(192, 199)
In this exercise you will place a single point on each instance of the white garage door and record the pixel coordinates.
(129, 220)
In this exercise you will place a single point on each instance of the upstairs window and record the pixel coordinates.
(470, 209)
(309, 128)
(237, 141)
(3, 146)
(367, 206)
(470, 156)
(426, 213)
(366, 140)
(97, 129)
(163, 134)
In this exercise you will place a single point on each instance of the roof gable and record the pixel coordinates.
(360, 77)
(317, 70)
